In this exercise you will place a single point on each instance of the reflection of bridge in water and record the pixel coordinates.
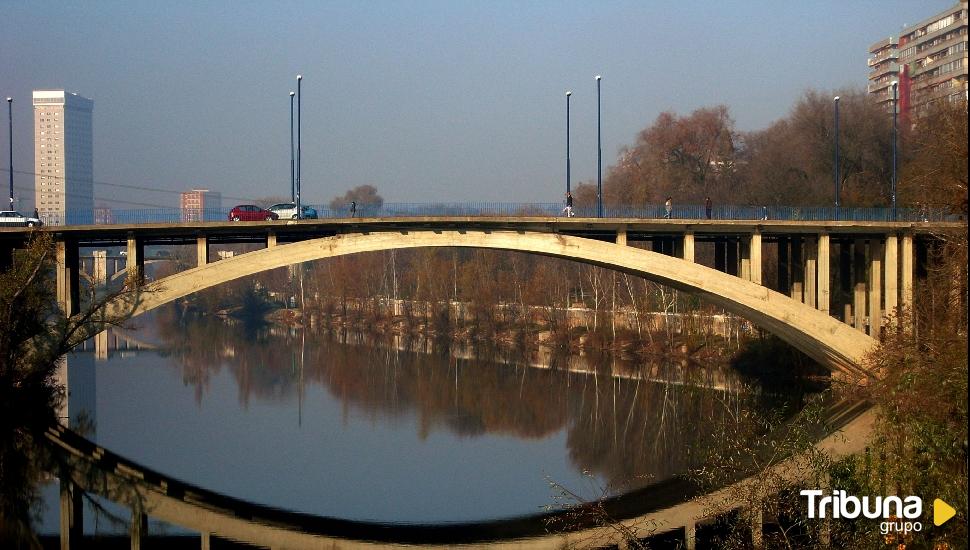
(836, 281)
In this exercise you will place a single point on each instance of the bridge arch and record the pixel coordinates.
(835, 345)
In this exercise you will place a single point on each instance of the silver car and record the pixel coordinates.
(287, 211)
(14, 218)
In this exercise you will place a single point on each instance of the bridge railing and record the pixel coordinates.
(511, 209)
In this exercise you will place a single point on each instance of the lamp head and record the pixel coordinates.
(568, 93)
(598, 77)
(9, 100)
(299, 77)
(292, 94)
(836, 98)
(894, 84)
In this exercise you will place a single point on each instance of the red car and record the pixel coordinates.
(251, 213)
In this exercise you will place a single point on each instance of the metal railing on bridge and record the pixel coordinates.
(512, 209)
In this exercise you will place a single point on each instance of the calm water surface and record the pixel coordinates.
(391, 431)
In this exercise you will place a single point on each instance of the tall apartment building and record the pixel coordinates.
(197, 203)
(63, 157)
(928, 60)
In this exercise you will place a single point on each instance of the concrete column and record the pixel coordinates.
(824, 275)
(201, 250)
(690, 536)
(206, 543)
(891, 267)
(68, 268)
(745, 246)
(783, 270)
(688, 247)
(270, 239)
(875, 287)
(754, 247)
(138, 529)
(72, 514)
(136, 259)
(621, 236)
(732, 257)
(101, 346)
(795, 268)
(99, 269)
(859, 265)
(811, 263)
(757, 526)
(906, 273)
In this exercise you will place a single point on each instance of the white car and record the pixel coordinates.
(287, 211)
(16, 219)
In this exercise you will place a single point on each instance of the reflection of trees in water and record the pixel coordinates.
(627, 430)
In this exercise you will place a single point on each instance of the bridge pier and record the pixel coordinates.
(688, 247)
(271, 239)
(72, 513)
(906, 273)
(99, 269)
(796, 269)
(824, 275)
(136, 259)
(68, 271)
(810, 271)
(783, 266)
(138, 529)
(201, 250)
(891, 265)
(621, 236)
(859, 288)
(875, 287)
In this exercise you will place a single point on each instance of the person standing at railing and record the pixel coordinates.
(668, 207)
(708, 207)
(568, 209)
(353, 208)
(764, 212)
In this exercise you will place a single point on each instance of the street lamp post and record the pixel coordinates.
(836, 170)
(895, 104)
(10, 127)
(292, 168)
(299, 155)
(568, 187)
(599, 152)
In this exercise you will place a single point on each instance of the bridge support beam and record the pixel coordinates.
(139, 528)
(72, 513)
(796, 269)
(201, 250)
(875, 287)
(859, 287)
(745, 246)
(68, 269)
(621, 236)
(906, 272)
(824, 275)
(270, 239)
(754, 249)
(136, 260)
(688, 247)
(891, 266)
(99, 269)
(811, 268)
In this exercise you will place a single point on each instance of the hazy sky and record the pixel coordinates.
(428, 101)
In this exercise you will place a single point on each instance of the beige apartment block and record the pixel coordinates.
(928, 61)
(63, 157)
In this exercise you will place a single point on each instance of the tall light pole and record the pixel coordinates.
(568, 187)
(292, 168)
(599, 152)
(299, 155)
(836, 157)
(895, 104)
(10, 126)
